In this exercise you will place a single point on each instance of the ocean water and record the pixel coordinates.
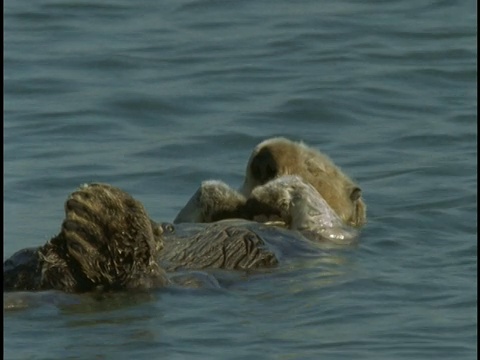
(156, 96)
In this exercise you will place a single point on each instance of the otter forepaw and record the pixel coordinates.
(214, 200)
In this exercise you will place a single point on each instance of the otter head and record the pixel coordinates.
(269, 159)
(279, 156)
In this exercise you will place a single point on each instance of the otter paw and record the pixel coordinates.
(214, 200)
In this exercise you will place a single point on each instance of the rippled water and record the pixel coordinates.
(156, 96)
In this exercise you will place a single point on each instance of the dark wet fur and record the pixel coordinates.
(22, 271)
(217, 246)
(44, 268)
(107, 241)
(111, 236)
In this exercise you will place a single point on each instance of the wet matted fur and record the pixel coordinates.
(106, 241)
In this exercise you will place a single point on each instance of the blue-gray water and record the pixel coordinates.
(156, 96)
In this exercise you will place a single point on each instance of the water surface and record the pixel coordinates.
(155, 97)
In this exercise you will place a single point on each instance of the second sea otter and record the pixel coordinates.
(272, 159)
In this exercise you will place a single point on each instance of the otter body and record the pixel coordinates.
(233, 245)
(107, 241)
(292, 197)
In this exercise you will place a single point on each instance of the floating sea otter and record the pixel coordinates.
(108, 241)
(271, 159)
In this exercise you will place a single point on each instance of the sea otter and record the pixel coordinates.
(107, 240)
(271, 159)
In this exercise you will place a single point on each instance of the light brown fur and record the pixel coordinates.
(277, 157)
(214, 200)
